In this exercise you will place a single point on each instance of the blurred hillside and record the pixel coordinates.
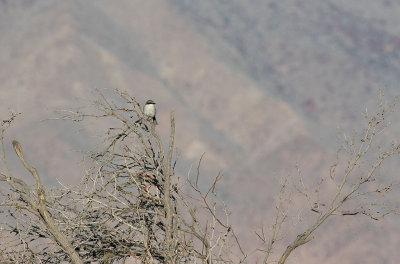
(257, 85)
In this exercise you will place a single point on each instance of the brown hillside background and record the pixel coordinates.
(257, 85)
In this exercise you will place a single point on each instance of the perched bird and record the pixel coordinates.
(149, 110)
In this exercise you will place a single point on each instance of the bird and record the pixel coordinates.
(149, 110)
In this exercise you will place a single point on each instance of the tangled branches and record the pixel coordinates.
(129, 205)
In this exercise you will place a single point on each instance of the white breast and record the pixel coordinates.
(149, 110)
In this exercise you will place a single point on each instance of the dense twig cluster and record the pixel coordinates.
(129, 204)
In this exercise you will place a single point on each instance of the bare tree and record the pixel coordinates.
(129, 205)
(351, 188)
